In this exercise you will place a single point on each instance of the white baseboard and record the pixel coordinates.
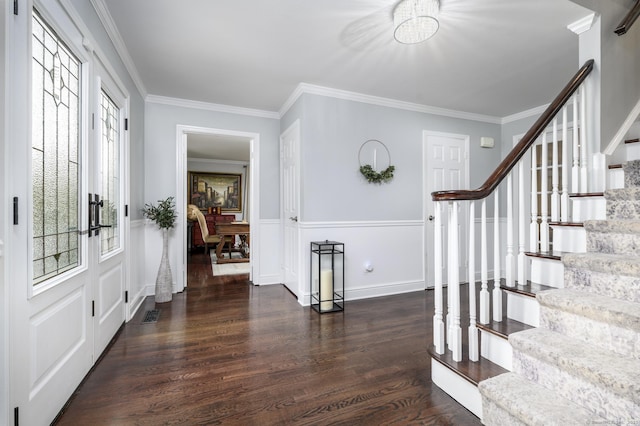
(374, 291)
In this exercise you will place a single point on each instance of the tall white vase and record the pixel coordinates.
(164, 280)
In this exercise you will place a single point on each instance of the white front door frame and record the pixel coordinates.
(181, 194)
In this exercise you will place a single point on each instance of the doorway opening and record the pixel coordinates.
(232, 155)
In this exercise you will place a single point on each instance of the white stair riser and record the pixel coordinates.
(586, 208)
(606, 336)
(633, 151)
(571, 239)
(616, 179)
(458, 388)
(547, 271)
(523, 308)
(599, 400)
(496, 349)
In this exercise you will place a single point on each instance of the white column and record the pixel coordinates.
(497, 292)
(474, 352)
(484, 290)
(438, 324)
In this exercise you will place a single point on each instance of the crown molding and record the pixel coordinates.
(582, 25)
(185, 103)
(303, 88)
(524, 114)
(115, 37)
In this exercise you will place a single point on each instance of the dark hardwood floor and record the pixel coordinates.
(227, 352)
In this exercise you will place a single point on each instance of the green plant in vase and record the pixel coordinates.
(164, 215)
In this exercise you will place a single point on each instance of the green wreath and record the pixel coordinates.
(377, 177)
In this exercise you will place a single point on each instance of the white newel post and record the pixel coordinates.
(438, 324)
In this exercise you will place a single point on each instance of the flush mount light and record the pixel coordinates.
(415, 20)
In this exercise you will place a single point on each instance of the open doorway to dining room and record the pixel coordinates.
(217, 176)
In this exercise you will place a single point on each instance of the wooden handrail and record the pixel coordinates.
(628, 20)
(519, 150)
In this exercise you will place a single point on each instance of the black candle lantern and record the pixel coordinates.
(327, 276)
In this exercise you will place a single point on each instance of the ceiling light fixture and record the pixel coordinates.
(415, 20)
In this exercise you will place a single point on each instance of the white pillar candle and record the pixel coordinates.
(326, 290)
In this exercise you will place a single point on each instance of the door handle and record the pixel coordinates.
(293, 218)
(431, 218)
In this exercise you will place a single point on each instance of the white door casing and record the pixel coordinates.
(446, 166)
(290, 190)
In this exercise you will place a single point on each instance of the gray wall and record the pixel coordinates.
(160, 149)
(333, 131)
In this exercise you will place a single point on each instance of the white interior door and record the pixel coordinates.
(446, 166)
(290, 189)
(61, 276)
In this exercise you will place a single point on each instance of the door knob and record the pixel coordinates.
(431, 218)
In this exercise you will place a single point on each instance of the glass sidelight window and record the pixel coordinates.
(55, 154)
(110, 174)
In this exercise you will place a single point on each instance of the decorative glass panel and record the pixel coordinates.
(55, 147)
(110, 174)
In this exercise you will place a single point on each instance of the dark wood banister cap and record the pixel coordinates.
(519, 150)
(628, 20)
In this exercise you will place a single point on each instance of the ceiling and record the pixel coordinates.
(491, 57)
(219, 147)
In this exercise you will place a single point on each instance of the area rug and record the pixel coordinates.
(229, 268)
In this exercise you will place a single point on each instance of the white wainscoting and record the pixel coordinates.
(137, 287)
(267, 267)
(394, 249)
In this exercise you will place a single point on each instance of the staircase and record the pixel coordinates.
(582, 365)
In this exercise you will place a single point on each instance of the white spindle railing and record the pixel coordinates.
(534, 187)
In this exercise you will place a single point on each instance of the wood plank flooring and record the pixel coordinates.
(227, 352)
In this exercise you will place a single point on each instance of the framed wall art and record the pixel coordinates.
(215, 190)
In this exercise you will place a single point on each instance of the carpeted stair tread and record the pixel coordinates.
(601, 308)
(603, 369)
(528, 403)
(617, 264)
(623, 194)
(618, 226)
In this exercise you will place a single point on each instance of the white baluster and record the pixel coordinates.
(509, 259)
(555, 192)
(533, 227)
(522, 272)
(575, 168)
(438, 324)
(497, 292)
(454, 284)
(473, 330)
(564, 198)
(584, 146)
(544, 192)
(484, 290)
(448, 239)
